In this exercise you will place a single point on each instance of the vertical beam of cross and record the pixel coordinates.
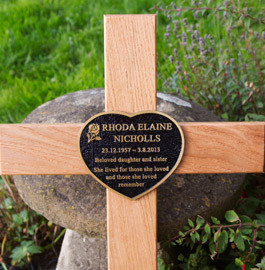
(130, 85)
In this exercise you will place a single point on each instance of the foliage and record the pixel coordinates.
(161, 265)
(23, 232)
(51, 47)
(237, 242)
(216, 55)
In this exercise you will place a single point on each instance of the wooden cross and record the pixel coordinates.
(130, 86)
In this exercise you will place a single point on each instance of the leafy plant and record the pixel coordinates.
(237, 242)
(26, 249)
(24, 233)
(161, 265)
(215, 56)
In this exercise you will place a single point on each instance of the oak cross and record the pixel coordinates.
(130, 86)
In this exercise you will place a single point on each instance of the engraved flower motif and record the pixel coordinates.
(93, 131)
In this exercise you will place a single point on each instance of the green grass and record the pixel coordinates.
(50, 48)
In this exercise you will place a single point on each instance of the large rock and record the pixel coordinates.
(80, 252)
(79, 202)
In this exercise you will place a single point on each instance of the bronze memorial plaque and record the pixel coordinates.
(131, 153)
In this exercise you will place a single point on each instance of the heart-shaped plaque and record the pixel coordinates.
(131, 153)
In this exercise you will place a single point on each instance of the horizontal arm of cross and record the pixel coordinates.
(42, 149)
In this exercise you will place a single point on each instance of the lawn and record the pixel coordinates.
(50, 48)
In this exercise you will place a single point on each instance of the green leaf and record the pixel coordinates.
(186, 228)
(197, 236)
(245, 219)
(182, 234)
(222, 242)
(18, 254)
(225, 116)
(197, 227)
(212, 246)
(254, 117)
(246, 230)
(231, 216)
(246, 237)
(260, 104)
(161, 265)
(181, 257)
(261, 242)
(191, 223)
(33, 249)
(32, 228)
(238, 262)
(239, 241)
(261, 218)
(207, 229)
(234, 96)
(26, 247)
(199, 221)
(205, 238)
(231, 235)
(193, 237)
(216, 236)
(261, 264)
(24, 215)
(9, 203)
(215, 220)
(17, 219)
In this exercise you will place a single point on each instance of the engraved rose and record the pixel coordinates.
(93, 131)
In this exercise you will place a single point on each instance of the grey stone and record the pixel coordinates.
(80, 252)
(79, 202)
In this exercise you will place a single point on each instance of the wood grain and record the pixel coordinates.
(130, 62)
(39, 149)
(230, 147)
(130, 83)
(223, 148)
